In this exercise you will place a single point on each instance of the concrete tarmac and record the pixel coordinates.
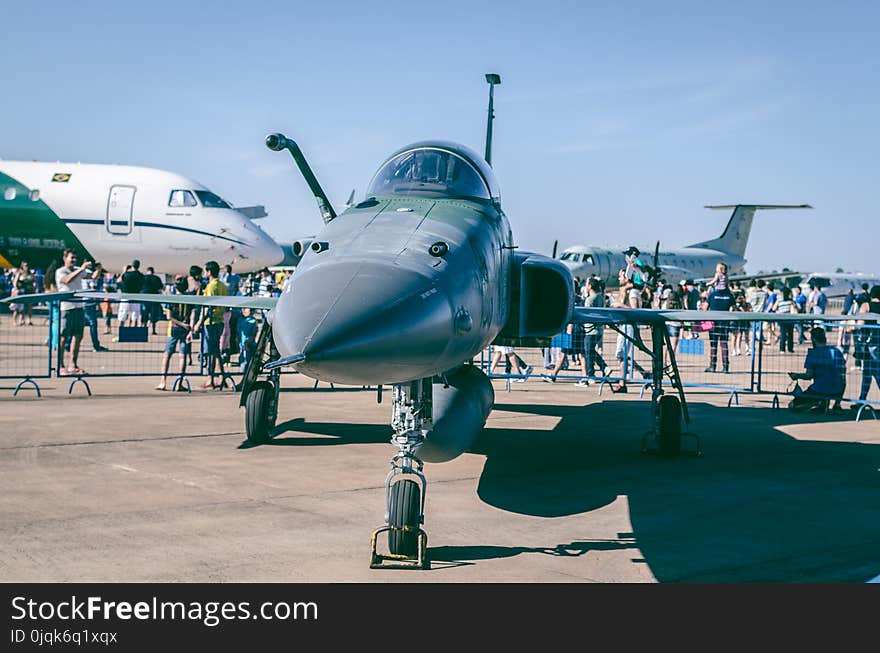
(132, 484)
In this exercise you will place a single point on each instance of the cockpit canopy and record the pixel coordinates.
(435, 170)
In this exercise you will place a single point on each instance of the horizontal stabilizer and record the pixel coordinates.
(762, 207)
(735, 237)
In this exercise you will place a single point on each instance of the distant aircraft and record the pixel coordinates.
(691, 262)
(113, 214)
(838, 284)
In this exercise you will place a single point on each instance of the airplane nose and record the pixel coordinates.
(365, 322)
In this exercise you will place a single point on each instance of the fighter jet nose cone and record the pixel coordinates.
(364, 322)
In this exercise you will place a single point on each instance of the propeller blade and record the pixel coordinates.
(555, 244)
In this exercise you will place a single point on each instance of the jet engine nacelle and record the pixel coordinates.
(299, 247)
(293, 252)
(460, 410)
(541, 298)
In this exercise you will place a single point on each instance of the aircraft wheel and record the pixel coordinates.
(669, 425)
(406, 507)
(259, 417)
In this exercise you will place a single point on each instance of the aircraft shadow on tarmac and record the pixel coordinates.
(331, 433)
(759, 505)
(460, 556)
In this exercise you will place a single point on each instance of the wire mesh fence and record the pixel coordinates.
(25, 342)
(733, 357)
(117, 340)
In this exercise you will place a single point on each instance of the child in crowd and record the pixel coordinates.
(719, 281)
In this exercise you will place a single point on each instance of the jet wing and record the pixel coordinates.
(582, 315)
(37, 298)
(228, 301)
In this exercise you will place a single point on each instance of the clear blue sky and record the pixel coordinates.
(616, 121)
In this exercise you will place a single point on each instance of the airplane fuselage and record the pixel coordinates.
(114, 214)
(685, 263)
(373, 303)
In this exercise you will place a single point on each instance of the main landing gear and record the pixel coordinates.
(669, 412)
(405, 484)
(259, 397)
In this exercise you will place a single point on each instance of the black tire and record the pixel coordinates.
(405, 509)
(669, 426)
(259, 419)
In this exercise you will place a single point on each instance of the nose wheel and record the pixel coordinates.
(406, 485)
(261, 411)
(259, 396)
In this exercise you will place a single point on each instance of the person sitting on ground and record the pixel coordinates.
(826, 367)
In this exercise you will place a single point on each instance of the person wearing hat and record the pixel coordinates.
(636, 274)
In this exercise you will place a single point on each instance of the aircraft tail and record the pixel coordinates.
(735, 236)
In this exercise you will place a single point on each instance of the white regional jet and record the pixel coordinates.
(691, 262)
(113, 214)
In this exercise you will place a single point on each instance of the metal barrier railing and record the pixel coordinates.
(24, 347)
(30, 353)
(733, 357)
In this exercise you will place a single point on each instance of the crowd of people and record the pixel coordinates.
(639, 287)
(228, 331)
(225, 332)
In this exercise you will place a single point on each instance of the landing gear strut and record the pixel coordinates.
(259, 397)
(669, 412)
(405, 485)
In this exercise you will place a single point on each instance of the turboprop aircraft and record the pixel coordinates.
(113, 214)
(691, 262)
(405, 288)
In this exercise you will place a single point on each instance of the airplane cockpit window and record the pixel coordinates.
(429, 173)
(182, 198)
(211, 201)
(588, 258)
(568, 256)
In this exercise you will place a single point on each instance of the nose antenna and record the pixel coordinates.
(492, 78)
(278, 142)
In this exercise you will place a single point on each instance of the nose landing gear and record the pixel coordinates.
(259, 398)
(406, 485)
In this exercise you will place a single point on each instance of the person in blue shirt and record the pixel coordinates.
(247, 338)
(799, 301)
(826, 367)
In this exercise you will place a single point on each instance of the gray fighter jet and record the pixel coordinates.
(405, 288)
